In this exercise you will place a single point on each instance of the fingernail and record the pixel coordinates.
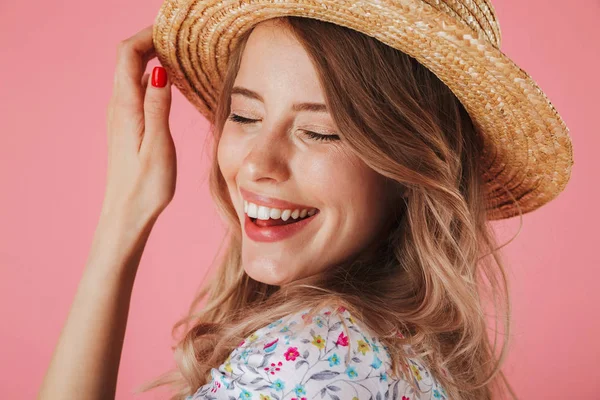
(159, 77)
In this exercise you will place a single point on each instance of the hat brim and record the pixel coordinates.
(528, 149)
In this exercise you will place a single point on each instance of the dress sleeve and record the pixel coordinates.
(329, 357)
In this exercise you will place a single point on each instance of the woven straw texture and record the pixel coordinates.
(528, 149)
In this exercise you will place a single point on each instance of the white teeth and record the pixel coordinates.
(275, 213)
(263, 212)
(285, 214)
(252, 210)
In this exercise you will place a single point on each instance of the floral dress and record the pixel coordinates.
(317, 359)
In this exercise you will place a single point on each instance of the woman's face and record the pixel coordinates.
(272, 164)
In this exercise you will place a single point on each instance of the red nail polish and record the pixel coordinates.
(159, 77)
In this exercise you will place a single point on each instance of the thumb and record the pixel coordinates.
(157, 105)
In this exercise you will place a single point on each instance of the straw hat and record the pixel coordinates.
(527, 145)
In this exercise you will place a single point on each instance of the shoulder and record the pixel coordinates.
(329, 354)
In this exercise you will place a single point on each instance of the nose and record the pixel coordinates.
(268, 158)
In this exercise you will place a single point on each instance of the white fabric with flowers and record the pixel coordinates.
(321, 359)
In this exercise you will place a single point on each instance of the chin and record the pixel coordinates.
(266, 271)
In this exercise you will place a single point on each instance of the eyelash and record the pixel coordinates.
(313, 135)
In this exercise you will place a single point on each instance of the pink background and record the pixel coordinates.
(57, 64)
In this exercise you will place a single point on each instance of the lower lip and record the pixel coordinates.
(274, 233)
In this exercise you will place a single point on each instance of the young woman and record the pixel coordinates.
(356, 189)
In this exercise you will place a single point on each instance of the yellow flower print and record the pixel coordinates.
(253, 337)
(263, 397)
(318, 341)
(351, 320)
(416, 372)
(363, 347)
(228, 367)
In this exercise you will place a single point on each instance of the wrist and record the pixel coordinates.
(125, 223)
(119, 242)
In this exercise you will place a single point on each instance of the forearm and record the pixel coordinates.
(86, 359)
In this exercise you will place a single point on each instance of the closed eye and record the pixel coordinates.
(313, 135)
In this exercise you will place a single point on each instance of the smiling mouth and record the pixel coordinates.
(278, 221)
(276, 229)
(263, 216)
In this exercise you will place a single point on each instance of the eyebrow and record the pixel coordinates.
(314, 107)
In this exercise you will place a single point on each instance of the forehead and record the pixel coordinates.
(275, 63)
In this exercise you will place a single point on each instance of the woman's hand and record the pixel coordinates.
(140, 184)
(142, 165)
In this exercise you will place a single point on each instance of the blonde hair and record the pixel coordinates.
(427, 279)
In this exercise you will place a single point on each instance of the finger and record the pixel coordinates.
(157, 106)
(145, 82)
(126, 105)
(133, 55)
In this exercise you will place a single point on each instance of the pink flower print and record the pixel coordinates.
(215, 386)
(307, 318)
(405, 398)
(341, 309)
(274, 368)
(400, 335)
(241, 343)
(291, 353)
(342, 340)
(299, 398)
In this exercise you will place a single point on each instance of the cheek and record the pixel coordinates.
(357, 192)
(227, 156)
(346, 182)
